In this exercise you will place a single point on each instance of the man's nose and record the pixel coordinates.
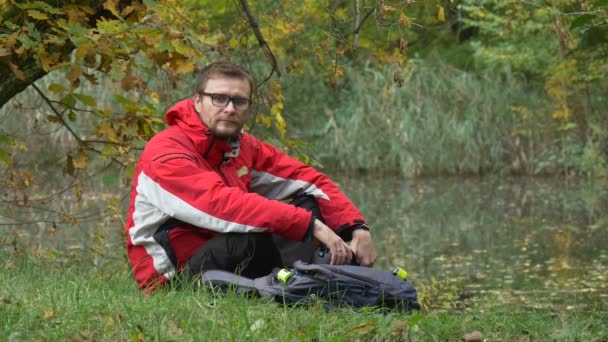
(230, 107)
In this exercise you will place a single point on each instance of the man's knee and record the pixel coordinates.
(245, 253)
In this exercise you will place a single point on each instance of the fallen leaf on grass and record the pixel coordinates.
(364, 326)
(177, 331)
(522, 338)
(399, 326)
(257, 325)
(48, 314)
(474, 336)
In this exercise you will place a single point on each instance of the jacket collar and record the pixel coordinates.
(184, 115)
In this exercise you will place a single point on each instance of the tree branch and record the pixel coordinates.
(262, 42)
(70, 130)
(357, 24)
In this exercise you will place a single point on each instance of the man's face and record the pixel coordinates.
(225, 121)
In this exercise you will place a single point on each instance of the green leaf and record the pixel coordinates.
(10, 25)
(582, 20)
(601, 3)
(27, 42)
(86, 99)
(593, 37)
(116, 73)
(164, 45)
(56, 88)
(72, 116)
(150, 3)
(46, 7)
(69, 100)
(6, 140)
(33, 32)
(37, 15)
(122, 100)
(5, 157)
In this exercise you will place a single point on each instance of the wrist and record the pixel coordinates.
(361, 232)
(347, 234)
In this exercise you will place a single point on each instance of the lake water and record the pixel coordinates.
(464, 241)
(524, 241)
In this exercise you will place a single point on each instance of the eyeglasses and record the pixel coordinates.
(222, 100)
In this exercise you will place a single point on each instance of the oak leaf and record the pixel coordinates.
(37, 15)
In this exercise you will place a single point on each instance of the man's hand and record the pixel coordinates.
(363, 246)
(341, 253)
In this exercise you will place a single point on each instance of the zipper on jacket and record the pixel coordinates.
(219, 169)
(210, 146)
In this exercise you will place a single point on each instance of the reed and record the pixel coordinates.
(440, 121)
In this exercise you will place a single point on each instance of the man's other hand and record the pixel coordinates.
(363, 247)
(341, 253)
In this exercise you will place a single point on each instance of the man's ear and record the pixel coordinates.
(197, 102)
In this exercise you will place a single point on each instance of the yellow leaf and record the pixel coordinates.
(280, 124)
(127, 10)
(69, 165)
(48, 313)
(440, 13)
(364, 326)
(37, 15)
(233, 43)
(184, 67)
(82, 161)
(181, 47)
(110, 5)
(155, 97)
(404, 20)
(74, 72)
(77, 190)
(53, 119)
(73, 220)
(264, 119)
(18, 73)
(130, 81)
(276, 108)
(48, 62)
(105, 129)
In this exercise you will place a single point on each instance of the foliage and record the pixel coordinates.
(114, 66)
(561, 44)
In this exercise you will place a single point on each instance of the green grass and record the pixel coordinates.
(68, 300)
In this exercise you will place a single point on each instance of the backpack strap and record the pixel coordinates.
(228, 280)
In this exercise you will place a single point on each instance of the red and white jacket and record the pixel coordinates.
(190, 186)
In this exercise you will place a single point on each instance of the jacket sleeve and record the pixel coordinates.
(182, 189)
(275, 175)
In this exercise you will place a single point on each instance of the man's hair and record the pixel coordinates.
(222, 69)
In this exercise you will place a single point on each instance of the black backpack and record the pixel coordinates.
(333, 285)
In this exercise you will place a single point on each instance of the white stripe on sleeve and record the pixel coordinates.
(178, 208)
(274, 187)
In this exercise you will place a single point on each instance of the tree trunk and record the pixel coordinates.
(10, 85)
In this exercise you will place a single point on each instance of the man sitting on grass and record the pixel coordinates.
(206, 195)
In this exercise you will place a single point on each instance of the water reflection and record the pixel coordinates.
(528, 241)
(536, 242)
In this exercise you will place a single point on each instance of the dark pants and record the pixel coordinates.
(253, 255)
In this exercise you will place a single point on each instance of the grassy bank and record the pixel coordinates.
(71, 300)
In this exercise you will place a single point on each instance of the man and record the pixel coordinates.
(207, 196)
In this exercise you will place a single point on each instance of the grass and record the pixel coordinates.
(68, 300)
